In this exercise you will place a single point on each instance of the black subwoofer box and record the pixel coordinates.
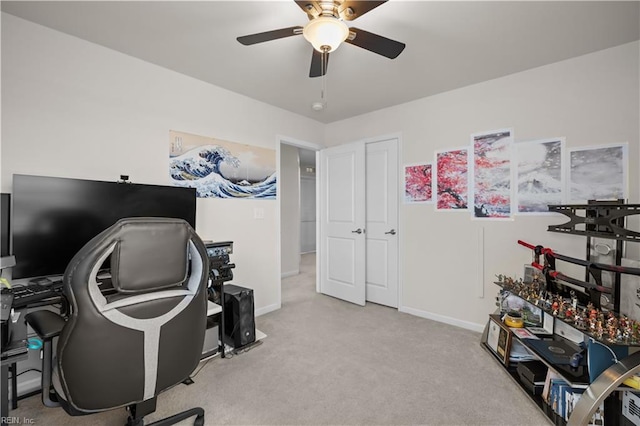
(239, 318)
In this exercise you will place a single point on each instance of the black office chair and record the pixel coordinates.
(123, 349)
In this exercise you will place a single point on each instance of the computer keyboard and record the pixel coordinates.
(32, 293)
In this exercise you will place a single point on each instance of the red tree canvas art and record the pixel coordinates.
(492, 174)
(452, 179)
(417, 183)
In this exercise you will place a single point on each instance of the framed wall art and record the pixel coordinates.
(491, 175)
(418, 183)
(539, 175)
(222, 169)
(598, 173)
(452, 180)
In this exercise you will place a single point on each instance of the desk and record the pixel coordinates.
(212, 345)
(15, 351)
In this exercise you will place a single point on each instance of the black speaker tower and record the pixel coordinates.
(239, 319)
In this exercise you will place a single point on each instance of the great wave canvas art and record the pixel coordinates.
(222, 169)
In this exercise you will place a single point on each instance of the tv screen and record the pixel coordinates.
(53, 218)
(5, 212)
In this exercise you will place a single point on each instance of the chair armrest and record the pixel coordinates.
(46, 324)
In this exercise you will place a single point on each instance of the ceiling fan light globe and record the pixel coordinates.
(325, 33)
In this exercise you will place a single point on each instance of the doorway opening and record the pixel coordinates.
(298, 211)
(307, 201)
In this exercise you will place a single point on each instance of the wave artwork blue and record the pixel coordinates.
(216, 173)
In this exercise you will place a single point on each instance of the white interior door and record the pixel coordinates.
(382, 222)
(342, 222)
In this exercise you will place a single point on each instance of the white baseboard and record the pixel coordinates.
(267, 309)
(30, 385)
(289, 273)
(441, 318)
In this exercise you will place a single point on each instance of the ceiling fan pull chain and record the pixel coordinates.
(323, 93)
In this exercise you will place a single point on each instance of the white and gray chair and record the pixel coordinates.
(124, 348)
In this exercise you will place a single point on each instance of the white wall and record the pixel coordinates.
(590, 100)
(307, 202)
(289, 209)
(307, 213)
(75, 109)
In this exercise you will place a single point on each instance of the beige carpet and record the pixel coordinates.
(328, 362)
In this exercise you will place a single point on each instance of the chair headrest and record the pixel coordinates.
(150, 254)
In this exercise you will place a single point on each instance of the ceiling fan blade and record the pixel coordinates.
(376, 43)
(316, 64)
(310, 7)
(269, 35)
(352, 9)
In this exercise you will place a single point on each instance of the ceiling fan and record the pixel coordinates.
(326, 29)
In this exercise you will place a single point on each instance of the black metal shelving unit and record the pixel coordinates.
(605, 220)
(600, 219)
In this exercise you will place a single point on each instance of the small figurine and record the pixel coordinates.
(535, 286)
(548, 302)
(568, 315)
(561, 309)
(599, 330)
(574, 300)
(579, 322)
(592, 312)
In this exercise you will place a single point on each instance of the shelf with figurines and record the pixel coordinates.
(577, 302)
(604, 326)
(596, 307)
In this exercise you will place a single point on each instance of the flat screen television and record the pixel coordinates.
(53, 218)
(5, 212)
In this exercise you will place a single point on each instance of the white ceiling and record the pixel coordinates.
(450, 44)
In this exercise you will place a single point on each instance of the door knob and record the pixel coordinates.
(392, 232)
(357, 231)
